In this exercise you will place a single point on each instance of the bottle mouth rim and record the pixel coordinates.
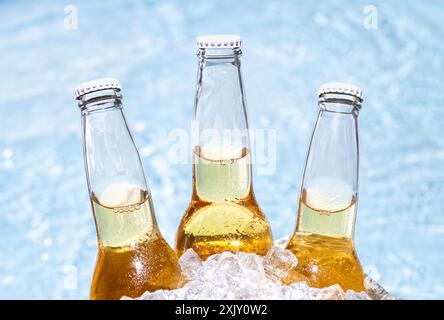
(340, 103)
(219, 53)
(96, 100)
(340, 97)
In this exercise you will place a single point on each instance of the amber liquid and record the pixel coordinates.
(223, 214)
(133, 256)
(323, 244)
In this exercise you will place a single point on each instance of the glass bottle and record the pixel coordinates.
(223, 214)
(323, 239)
(133, 257)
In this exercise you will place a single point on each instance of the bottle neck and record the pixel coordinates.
(222, 158)
(330, 184)
(220, 115)
(118, 190)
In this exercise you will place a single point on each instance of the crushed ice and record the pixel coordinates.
(249, 276)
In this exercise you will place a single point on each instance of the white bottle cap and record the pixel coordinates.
(341, 88)
(218, 42)
(97, 85)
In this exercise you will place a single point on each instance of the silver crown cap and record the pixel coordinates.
(218, 42)
(96, 85)
(341, 88)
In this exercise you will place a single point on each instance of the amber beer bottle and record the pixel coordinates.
(223, 214)
(133, 257)
(323, 239)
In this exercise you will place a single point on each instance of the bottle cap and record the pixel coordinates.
(97, 85)
(341, 88)
(218, 42)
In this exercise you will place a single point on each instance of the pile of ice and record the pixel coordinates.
(249, 276)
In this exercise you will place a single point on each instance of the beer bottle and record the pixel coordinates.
(323, 239)
(133, 257)
(223, 214)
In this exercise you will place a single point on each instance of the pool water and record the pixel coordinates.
(393, 49)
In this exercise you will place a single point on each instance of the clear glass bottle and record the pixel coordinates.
(323, 239)
(133, 257)
(223, 214)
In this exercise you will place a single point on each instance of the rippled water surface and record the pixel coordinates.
(48, 244)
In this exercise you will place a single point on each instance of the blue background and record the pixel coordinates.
(47, 235)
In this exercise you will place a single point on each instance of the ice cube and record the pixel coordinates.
(376, 291)
(333, 292)
(353, 295)
(190, 263)
(278, 262)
